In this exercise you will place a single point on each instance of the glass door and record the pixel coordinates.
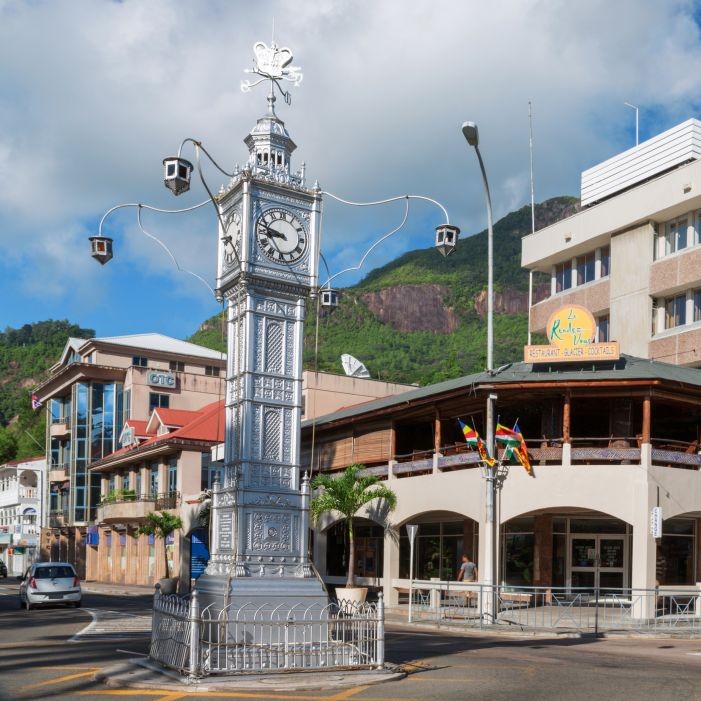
(597, 561)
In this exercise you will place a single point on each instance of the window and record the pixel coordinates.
(154, 478)
(605, 256)
(675, 235)
(211, 370)
(602, 329)
(140, 361)
(158, 401)
(172, 476)
(585, 268)
(697, 305)
(563, 276)
(675, 311)
(177, 366)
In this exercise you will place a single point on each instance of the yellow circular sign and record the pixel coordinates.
(570, 327)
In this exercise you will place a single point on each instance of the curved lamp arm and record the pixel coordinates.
(407, 198)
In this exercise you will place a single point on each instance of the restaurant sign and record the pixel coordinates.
(571, 331)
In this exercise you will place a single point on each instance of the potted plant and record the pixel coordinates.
(347, 494)
(161, 525)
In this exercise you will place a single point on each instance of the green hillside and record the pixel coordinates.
(25, 356)
(426, 356)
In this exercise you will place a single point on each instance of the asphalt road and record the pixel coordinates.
(38, 662)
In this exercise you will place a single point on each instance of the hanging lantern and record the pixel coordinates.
(446, 238)
(176, 174)
(329, 298)
(101, 249)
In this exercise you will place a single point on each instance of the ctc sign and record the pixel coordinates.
(161, 379)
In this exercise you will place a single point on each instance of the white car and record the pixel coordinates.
(49, 583)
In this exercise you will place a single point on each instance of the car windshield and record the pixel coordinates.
(53, 572)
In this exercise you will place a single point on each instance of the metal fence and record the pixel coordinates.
(559, 609)
(341, 635)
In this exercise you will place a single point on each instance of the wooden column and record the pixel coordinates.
(437, 439)
(646, 420)
(392, 441)
(566, 421)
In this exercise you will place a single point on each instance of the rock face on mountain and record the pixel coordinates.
(413, 308)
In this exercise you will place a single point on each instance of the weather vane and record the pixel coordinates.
(273, 63)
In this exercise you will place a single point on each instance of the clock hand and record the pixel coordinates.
(274, 233)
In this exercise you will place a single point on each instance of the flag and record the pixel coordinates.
(36, 403)
(472, 438)
(515, 445)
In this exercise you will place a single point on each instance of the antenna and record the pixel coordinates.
(353, 367)
(633, 107)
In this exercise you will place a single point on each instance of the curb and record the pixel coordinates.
(139, 673)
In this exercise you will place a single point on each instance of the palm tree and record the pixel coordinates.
(161, 526)
(347, 494)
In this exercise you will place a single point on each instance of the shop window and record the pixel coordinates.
(675, 553)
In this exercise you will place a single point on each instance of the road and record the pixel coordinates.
(37, 661)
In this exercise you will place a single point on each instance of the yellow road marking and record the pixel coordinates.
(66, 678)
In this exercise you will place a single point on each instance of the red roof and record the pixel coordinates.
(207, 425)
(138, 426)
(174, 417)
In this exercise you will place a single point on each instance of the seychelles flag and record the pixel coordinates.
(36, 403)
(473, 439)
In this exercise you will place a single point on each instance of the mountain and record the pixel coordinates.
(26, 354)
(420, 318)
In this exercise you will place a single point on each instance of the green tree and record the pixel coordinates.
(161, 525)
(347, 494)
(8, 445)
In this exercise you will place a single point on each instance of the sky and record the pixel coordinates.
(94, 94)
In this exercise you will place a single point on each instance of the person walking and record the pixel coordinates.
(468, 570)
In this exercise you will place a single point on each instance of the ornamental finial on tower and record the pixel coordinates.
(273, 63)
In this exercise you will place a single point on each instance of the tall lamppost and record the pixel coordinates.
(471, 134)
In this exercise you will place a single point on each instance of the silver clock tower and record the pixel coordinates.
(267, 268)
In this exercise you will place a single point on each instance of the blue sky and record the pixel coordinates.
(93, 95)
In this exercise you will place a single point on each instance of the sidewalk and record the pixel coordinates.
(117, 588)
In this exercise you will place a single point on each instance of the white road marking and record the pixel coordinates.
(112, 623)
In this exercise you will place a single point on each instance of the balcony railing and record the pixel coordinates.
(58, 518)
(611, 450)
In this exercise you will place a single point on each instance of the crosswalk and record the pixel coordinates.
(111, 625)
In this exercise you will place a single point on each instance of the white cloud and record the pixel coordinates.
(98, 93)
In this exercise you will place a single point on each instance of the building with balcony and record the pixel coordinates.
(22, 511)
(608, 440)
(95, 388)
(632, 255)
(164, 465)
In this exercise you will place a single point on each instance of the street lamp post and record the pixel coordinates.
(469, 130)
(471, 134)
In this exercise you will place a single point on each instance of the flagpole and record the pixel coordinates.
(491, 533)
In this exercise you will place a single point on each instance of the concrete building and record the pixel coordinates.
(632, 255)
(609, 441)
(92, 391)
(164, 465)
(22, 512)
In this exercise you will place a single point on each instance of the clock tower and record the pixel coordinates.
(267, 269)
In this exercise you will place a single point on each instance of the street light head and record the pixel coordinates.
(176, 174)
(329, 298)
(469, 131)
(101, 249)
(446, 238)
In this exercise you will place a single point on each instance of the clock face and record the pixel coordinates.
(232, 238)
(281, 236)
